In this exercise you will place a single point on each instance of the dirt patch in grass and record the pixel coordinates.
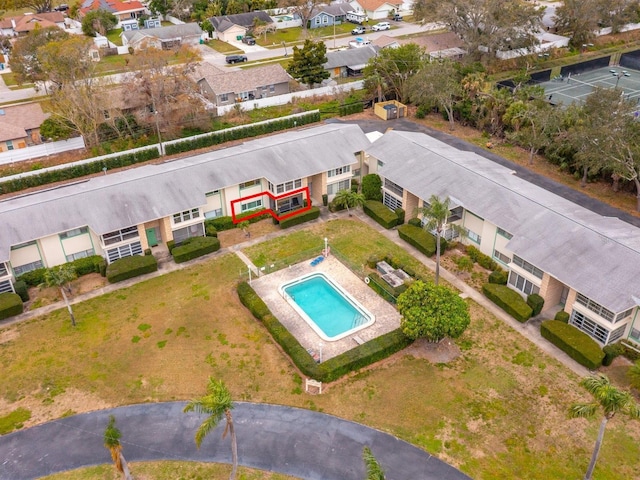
(255, 230)
(445, 351)
(41, 296)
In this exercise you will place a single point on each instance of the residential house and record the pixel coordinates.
(234, 27)
(23, 24)
(349, 63)
(440, 45)
(328, 15)
(377, 9)
(20, 126)
(123, 213)
(385, 41)
(577, 260)
(123, 10)
(163, 38)
(223, 87)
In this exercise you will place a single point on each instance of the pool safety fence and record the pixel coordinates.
(381, 290)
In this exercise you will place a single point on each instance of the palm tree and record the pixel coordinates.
(436, 214)
(216, 403)
(374, 470)
(112, 443)
(61, 277)
(612, 400)
(348, 198)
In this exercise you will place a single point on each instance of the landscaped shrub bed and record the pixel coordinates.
(21, 289)
(380, 213)
(509, 300)
(481, 259)
(130, 267)
(222, 223)
(195, 247)
(10, 305)
(306, 216)
(77, 171)
(421, 239)
(334, 368)
(82, 266)
(243, 131)
(578, 345)
(536, 302)
(498, 277)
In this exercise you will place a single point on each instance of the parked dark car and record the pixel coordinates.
(397, 18)
(249, 40)
(235, 58)
(358, 30)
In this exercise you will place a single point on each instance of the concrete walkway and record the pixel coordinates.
(292, 441)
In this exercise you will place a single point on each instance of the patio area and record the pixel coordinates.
(387, 317)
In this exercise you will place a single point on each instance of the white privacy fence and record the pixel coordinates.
(284, 99)
(43, 150)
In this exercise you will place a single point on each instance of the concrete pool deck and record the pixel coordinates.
(387, 317)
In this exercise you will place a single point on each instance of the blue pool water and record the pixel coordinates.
(326, 307)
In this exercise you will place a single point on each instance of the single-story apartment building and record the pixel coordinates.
(574, 258)
(123, 213)
(223, 87)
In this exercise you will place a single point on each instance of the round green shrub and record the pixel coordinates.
(562, 316)
(498, 277)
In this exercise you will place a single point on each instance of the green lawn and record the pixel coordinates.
(222, 47)
(499, 411)
(114, 36)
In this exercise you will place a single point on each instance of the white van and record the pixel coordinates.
(381, 26)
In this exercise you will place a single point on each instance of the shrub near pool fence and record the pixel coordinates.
(77, 171)
(195, 247)
(306, 216)
(242, 131)
(130, 267)
(420, 239)
(10, 305)
(578, 345)
(334, 368)
(380, 213)
(509, 300)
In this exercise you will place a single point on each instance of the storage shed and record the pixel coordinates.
(390, 110)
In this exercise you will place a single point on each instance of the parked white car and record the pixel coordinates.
(381, 26)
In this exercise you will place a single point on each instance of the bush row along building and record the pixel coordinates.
(572, 257)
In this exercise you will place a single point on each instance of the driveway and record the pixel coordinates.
(292, 441)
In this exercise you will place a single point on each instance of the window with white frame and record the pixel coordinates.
(123, 251)
(253, 205)
(250, 184)
(520, 283)
(625, 314)
(380, 163)
(3, 269)
(6, 286)
(391, 201)
(27, 267)
(186, 215)
(181, 234)
(9, 144)
(635, 334)
(287, 186)
(455, 214)
(527, 267)
(121, 235)
(616, 334)
(596, 308)
(74, 233)
(339, 171)
(272, 88)
(504, 233)
(83, 254)
(393, 187)
(224, 97)
(498, 255)
(211, 194)
(23, 245)
(336, 187)
(213, 213)
(588, 326)
(473, 236)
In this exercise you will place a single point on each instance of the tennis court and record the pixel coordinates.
(568, 88)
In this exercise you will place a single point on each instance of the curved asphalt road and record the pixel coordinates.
(293, 441)
(564, 191)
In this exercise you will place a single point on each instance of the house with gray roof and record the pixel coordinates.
(234, 27)
(575, 259)
(123, 213)
(328, 15)
(224, 87)
(351, 62)
(163, 38)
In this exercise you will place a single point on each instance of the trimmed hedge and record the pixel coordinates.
(380, 213)
(334, 368)
(21, 289)
(130, 267)
(420, 239)
(612, 351)
(195, 247)
(242, 131)
(415, 221)
(536, 302)
(306, 216)
(82, 266)
(562, 316)
(10, 305)
(481, 259)
(400, 213)
(77, 171)
(499, 277)
(222, 223)
(351, 108)
(578, 345)
(509, 300)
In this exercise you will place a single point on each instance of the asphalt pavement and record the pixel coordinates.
(292, 441)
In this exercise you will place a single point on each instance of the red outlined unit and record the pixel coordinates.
(307, 201)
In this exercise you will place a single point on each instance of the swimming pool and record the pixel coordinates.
(328, 309)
